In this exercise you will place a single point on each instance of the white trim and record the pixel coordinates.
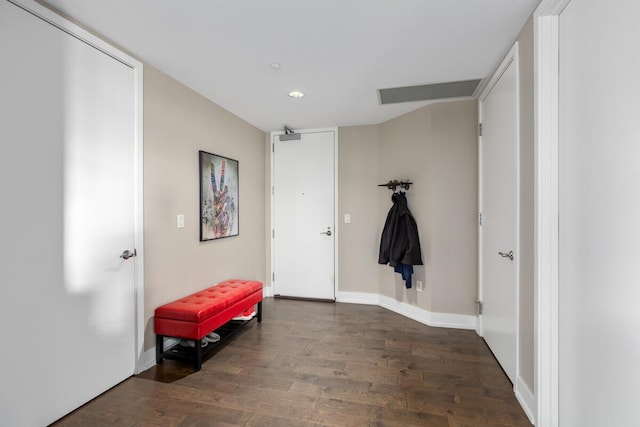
(137, 67)
(336, 219)
(335, 203)
(512, 58)
(546, 56)
(76, 31)
(479, 326)
(516, 53)
(441, 320)
(148, 358)
(550, 8)
(272, 137)
(358, 298)
(267, 292)
(526, 398)
(139, 220)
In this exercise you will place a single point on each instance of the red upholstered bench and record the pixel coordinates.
(196, 315)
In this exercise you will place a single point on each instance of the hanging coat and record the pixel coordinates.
(400, 244)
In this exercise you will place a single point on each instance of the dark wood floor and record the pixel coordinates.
(321, 364)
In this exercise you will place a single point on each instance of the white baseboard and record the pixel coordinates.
(526, 398)
(358, 298)
(267, 291)
(148, 359)
(441, 320)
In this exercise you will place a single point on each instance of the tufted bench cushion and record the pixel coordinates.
(194, 316)
(204, 304)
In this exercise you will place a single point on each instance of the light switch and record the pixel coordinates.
(347, 218)
(180, 221)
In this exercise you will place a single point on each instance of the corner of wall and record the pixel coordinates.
(436, 148)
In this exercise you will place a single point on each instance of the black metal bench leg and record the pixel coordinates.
(259, 315)
(197, 364)
(159, 348)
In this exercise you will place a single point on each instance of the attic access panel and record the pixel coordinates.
(428, 92)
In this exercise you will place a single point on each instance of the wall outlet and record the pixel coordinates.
(419, 286)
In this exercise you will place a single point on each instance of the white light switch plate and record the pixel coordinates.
(180, 221)
(347, 218)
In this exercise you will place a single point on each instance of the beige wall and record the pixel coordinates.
(177, 123)
(358, 242)
(267, 208)
(435, 147)
(526, 298)
(452, 271)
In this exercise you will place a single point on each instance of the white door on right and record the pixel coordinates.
(599, 214)
(498, 207)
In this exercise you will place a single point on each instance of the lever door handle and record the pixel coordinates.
(506, 255)
(328, 232)
(128, 254)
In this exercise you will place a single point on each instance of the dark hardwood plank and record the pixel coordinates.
(321, 364)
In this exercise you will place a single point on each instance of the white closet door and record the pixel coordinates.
(67, 189)
(499, 230)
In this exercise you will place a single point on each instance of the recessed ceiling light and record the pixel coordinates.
(296, 94)
(275, 65)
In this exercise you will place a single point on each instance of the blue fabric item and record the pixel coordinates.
(406, 271)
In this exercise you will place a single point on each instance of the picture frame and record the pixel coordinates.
(219, 196)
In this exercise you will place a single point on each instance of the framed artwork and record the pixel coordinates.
(218, 196)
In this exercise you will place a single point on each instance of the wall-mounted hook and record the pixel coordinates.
(393, 185)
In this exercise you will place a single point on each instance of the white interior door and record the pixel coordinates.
(599, 214)
(67, 181)
(304, 212)
(498, 205)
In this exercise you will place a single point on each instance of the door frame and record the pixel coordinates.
(546, 263)
(50, 16)
(336, 227)
(512, 58)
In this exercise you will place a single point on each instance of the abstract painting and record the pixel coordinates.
(218, 196)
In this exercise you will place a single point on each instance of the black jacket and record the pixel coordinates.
(399, 243)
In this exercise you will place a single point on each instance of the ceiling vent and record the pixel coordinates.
(428, 92)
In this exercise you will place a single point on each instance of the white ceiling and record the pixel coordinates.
(338, 52)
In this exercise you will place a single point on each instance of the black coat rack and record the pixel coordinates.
(393, 185)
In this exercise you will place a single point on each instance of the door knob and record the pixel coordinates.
(506, 255)
(128, 254)
(328, 232)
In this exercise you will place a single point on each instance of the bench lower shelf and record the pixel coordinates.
(198, 352)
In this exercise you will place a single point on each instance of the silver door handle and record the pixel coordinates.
(128, 254)
(508, 255)
(328, 232)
